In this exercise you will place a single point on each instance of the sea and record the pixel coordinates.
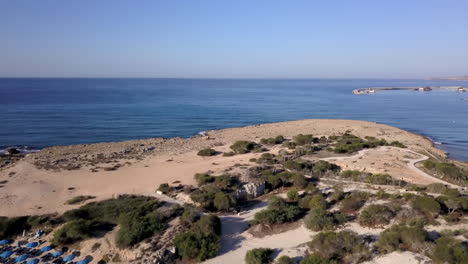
(42, 112)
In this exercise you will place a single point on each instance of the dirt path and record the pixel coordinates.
(411, 162)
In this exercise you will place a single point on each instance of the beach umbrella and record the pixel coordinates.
(68, 258)
(21, 258)
(57, 253)
(84, 261)
(46, 248)
(6, 254)
(5, 242)
(32, 261)
(32, 244)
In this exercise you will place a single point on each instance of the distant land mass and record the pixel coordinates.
(455, 78)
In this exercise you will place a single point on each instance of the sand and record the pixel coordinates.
(32, 190)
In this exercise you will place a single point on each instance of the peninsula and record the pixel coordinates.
(274, 191)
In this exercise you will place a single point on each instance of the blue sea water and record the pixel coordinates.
(43, 112)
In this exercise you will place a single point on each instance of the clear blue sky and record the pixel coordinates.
(234, 39)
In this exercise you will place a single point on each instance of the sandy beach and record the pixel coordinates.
(42, 182)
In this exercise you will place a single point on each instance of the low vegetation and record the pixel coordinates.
(277, 212)
(342, 247)
(138, 217)
(242, 147)
(80, 199)
(273, 141)
(447, 171)
(380, 179)
(353, 202)
(258, 256)
(11, 227)
(202, 240)
(207, 152)
(165, 188)
(376, 215)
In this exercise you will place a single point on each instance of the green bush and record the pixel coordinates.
(293, 195)
(197, 246)
(207, 152)
(189, 216)
(138, 225)
(317, 201)
(426, 205)
(80, 199)
(223, 202)
(272, 141)
(284, 260)
(376, 215)
(289, 145)
(299, 181)
(258, 256)
(436, 188)
(314, 259)
(226, 181)
(267, 158)
(278, 212)
(343, 246)
(353, 202)
(242, 147)
(205, 196)
(448, 171)
(320, 167)
(397, 144)
(11, 227)
(74, 231)
(318, 219)
(304, 139)
(229, 154)
(165, 188)
(203, 178)
(298, 165)
(202, 241)
(449, 250)
(402, 237)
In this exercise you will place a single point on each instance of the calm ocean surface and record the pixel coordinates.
(43, 112)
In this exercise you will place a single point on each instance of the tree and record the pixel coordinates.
(318, 219)
(197, 245)
(258, 256)
(223, 202)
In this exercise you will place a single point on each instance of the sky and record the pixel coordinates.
(234, 39)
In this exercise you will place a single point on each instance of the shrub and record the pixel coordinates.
(343, 246)
(304, 139)
(208, 224)
(320, 167)
(289, 145)
(202, 241)
(278, 212)
(267, 158)
(258, 256)
(203, 178)
(299, 181)
(225, 181)
(197, 246)
(314, 259)
(205, 196)
(298, 165)
(11, 227)
(80, 199)
(284, 260)
(165, 188)
(317, 201)
(223, 202)
(318, 219)
(397, 144)
(426, 205)
(207, 152)
(242, 147)
(137, 225)
(436, 188)
(189, 216)
(402, 237)
(449, 250)
(353, 202)
(375, 215)
(447, 171)
(272, 141)
(293, 195)
(74, 231)
(228, 154)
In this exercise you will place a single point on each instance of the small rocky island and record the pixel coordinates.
(373, 90)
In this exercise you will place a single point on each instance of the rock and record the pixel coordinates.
(12, 151)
